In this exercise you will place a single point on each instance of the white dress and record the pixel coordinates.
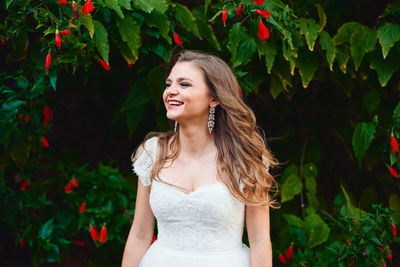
(203, 228)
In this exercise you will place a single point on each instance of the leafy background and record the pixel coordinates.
(324, 87)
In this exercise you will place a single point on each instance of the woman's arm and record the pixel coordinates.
(142, 229)
(257, 223)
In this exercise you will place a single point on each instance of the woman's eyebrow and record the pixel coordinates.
(180, 79)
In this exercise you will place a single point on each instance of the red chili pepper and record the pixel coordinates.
(390, 257)
(45, 142)
(87, 7)
(82, 207)
(348, 242)
(224, 16)
(24, 185)
(259, 2)
(263, 31)
(58, 39)
(68, 188)
(21, 243)
(177, 39)
(2, 40)
(393, 172)
(383, 265)
(26, 118)
(239, 10)
(153, 239)
(75, 11)
(48, 62)
(263, 13)
(94, 233)
(383, 249)
(47, 115)
(104, 64)
(130, 65)
(354, 221)
(103, 234)
(288, 252)
(394, 230)
(395, 145)
(63, 3)
(79, 243)
(75, 182)
(282, 258)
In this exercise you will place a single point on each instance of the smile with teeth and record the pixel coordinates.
(175, 103)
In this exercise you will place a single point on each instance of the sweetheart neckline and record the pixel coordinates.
(191, 192)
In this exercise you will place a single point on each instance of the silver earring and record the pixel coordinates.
(176, 125)
(211, 119)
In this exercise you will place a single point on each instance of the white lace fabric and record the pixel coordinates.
(209, 219)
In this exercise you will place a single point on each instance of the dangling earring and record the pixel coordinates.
(176, 124)
(211, 119)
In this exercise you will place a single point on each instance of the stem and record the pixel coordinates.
(332, 218)
(248, 15)
(300, 171)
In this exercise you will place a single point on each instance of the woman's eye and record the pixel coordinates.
(185, 84)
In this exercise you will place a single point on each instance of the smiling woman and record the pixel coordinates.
(205, 177)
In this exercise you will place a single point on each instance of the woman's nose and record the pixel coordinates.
(171, 90)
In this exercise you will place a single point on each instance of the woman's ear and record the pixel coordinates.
(214, 102)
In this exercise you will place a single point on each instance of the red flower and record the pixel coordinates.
(2, 40)
(383, 265)
(94, 233)
(395, 145)
(103, 234)
(24, 185)
(65, 32)
(394, 230)
(390, 257)
(393, 172)
(239, 10)
(153, 239)
(224, 16)
(263, 31)
(45, 142)
(79, 243)
(104, 64)
(348, 242)
(21, 243)
(58, 39)
(259, 2)
(75, 182)
(288, 252)
(263, 13)
(47, 115)
(354, 221)
(75, 10)
(87, 7)
(68, 188)
(177, 39)
(130, 65)
(48, 62)
(282, 258)
(82, 207)
(26, 117)
(63, 3)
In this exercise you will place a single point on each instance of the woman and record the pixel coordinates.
(206, 175)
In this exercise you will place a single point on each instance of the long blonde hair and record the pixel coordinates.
(242, 152)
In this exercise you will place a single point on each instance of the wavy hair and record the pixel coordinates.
(242, 152)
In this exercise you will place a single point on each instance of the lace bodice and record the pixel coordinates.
(205, 220)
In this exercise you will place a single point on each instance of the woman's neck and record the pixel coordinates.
(195, 140)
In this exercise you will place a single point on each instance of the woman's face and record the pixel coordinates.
(186, 85)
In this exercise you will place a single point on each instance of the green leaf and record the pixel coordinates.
(246, 49)
(345, 31)
(269, 50)
(310, 29)
(343, 57)
(317, 230)
(371, 100)
(53, 80)
(101, 40)
(309, 170)
(156, 19)
(186, 18)
(362, 41)
(234, 36)
(307, 63)
(130, 33)
(388, 34)
(312, 200)
(156, 83)
(311, 185)
(88, 23)
(8, 3)
(327, 44)
(362, 138)
(394, 204)
(276, 86)
(396, 114)
(205, 28)
(291, 187)
(46, 229)
(322, 17)
(149, 5)
(113, 4)
(384, 67)
(293, 220)
(125, 4)
(351, 211)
